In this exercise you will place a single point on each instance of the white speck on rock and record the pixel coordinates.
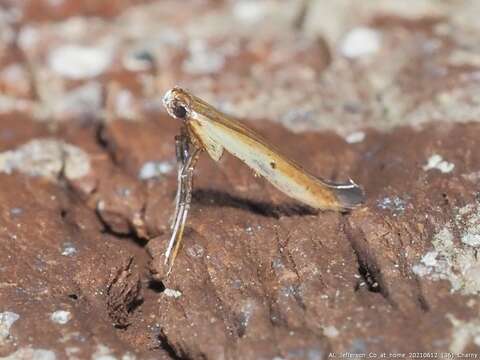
(79, 62)
(360, 42)
(61, 317)
(436, 162)
(355, 137)
(172, 293)
(330, 331)
(195, 251)
(68, 249)
(7, 319)
(394, 204)
(28, 353)
(47, 158)
(153, 169)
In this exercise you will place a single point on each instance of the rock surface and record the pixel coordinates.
(384, 92)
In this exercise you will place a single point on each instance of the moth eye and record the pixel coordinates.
(180, 111)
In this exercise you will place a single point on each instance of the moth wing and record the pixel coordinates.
(213, 148)
(281, 172)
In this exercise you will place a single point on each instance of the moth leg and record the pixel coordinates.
(182, 154)
(183, 205)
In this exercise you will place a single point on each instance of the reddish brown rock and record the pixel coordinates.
(258, 276)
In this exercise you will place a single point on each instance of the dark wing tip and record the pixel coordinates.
(349, 195)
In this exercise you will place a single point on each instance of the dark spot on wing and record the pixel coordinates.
(263, 168)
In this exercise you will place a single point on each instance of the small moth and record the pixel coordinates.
(206, 129)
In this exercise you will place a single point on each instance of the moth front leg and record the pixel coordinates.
(187, 162)
(182, 152)
(184, 207)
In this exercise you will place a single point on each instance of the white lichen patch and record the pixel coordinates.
(395, 204)
(361, 41)
(49, 158)
(436, 162)
(79, 62)
(31, 354)
(7, 318)
(469, 218)
(455, 261)
(61, 317)
(464, 333)
(172, 293)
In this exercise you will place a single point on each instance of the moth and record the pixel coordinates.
(206, 129)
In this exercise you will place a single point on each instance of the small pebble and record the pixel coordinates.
(172, 293)
(61, 317)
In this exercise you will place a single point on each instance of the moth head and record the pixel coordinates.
(178, 102)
